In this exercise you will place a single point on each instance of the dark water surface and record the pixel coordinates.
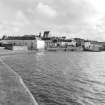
(63, 78)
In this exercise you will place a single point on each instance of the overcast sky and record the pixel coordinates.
(80, 18)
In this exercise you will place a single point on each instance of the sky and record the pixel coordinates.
(73, 18)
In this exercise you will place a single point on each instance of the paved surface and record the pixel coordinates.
(12, 88)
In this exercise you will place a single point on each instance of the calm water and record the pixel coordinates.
(63, 78)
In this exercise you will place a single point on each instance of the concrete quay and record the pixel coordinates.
(13, 91)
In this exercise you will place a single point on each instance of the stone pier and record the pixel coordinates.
(13, 91)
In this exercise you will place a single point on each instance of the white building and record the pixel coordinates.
(40, 44)
(87, 44)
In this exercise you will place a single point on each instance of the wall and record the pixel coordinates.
(20, 48)
(40, 44)
(31, 44)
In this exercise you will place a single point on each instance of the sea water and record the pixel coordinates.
(63, 78)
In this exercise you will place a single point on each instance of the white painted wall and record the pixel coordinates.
(20, 48)
(87, 44)
(40, 44)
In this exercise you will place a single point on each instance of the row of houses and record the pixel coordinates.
(32, 42)
(74, 44)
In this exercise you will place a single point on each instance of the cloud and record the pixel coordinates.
(99, 5)
(73, 11)
(46, 10)
(81, 18)
(18, 23)
(21, 18)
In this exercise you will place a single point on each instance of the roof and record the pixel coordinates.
(25, 37)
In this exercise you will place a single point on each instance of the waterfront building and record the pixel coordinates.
(72, 42)
(87, 45)
(40, 44)
(93, 46)
(28, 41)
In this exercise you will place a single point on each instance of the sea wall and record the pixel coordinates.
(20, 48)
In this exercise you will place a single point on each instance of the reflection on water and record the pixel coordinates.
(63, 78)
(41, 53)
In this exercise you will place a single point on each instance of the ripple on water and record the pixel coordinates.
(63, 78)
